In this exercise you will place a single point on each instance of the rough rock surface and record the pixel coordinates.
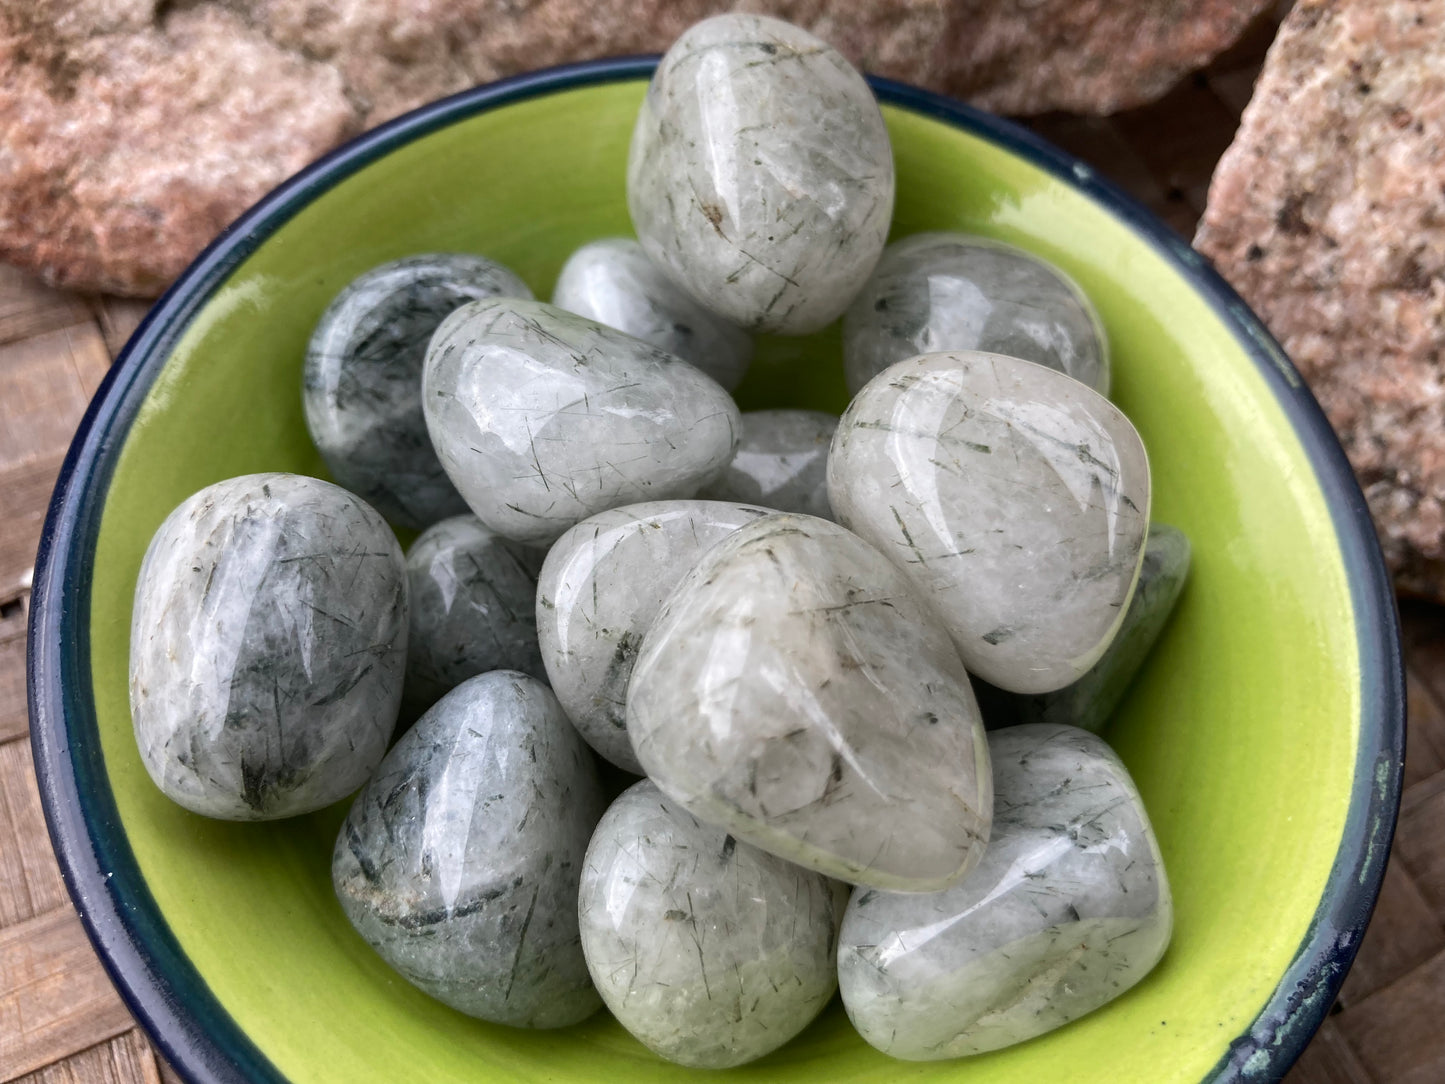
(136, 129)
(1328, 215)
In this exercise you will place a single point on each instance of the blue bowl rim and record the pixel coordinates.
(155, 978)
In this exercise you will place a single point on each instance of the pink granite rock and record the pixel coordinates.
(1328, 215)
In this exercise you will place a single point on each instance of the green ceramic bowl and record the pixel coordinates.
(1266, 734)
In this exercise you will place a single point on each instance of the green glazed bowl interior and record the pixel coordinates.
(1265, 733)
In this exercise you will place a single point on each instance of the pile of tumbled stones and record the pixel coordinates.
(780, 618)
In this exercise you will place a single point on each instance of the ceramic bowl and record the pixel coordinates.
(1265, 735)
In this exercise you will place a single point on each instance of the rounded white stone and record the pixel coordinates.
(542, 418)
(781, 463)
(796, 690)
(460, 861)
(760, 176)
(601, 586)
(711, 952)
(1069, 908)
(267, 647)
(613, 282)
(1013, 496)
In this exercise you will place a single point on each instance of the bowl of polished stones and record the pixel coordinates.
(711, 564)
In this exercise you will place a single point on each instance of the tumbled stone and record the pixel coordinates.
(600, 590)
(1015, 498)
(460, 861)
(711, 952)
(362, 379)
(953, 291)
(267, 647)
(542, 418)
(796, 690)
(771, 217)
(781, 463)
(1090, 702)
(473, 608)
(614, 283)
(1069, 908)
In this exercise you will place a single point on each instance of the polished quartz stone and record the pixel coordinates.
(460, 861)
(952, 291)
(711, 952)
(267, 647)
(760, 176)
(473, 608)
(362, 382)
(1014, 497)
(614, 283)
(601, 588)
(543, 418)
(781, 463)
(1089, 702)
(1069, 908)
(796, 690)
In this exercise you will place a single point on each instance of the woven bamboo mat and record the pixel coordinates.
(62, 1023)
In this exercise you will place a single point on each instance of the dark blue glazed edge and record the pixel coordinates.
(157, 981)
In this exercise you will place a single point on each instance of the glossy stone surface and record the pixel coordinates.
(952, 291)
(1089, 702)
(1014, 497)
(1069, 908)
(267, 646)
(781, 462)
(711, 952)
(796, 690)
(601, 587)
(613, 282)
(459, 863)
(770, 215)
(543, 418)
(473, 608)
(362, 379)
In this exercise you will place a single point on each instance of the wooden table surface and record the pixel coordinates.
(60, 1019)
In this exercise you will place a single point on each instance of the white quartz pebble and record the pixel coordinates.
(781, 462)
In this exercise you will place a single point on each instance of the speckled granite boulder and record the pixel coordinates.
(1326, 215)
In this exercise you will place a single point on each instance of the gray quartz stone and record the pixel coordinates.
(362, 387)
(543, 418)
(600, 590)
(760, 176)
(796, 690)
(1014, 497)
(713, 953)
(267, 647)
(473, 608)
(1089, 702)
(951, 291)
(781, 462)
(614, 283)
(460, 861)
(1069, 908)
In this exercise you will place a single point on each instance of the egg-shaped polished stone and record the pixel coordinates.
(1090, 702)
(473, 608)
(362, 379)
(1069, 908)
(781, 462)
(711, 952)
(613, 282)
(600, 589)
(796, 690)
(543, 418)
(933, 292)
(760, 176)
(1013, 496)
(267, 647)
(460, 861)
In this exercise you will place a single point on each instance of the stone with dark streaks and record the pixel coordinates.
(268, 642)
(781, 462)
(460, 861)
